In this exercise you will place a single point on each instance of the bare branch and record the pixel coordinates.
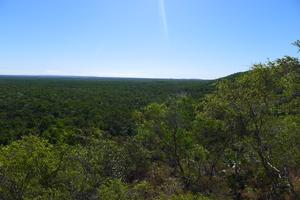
(297, 44)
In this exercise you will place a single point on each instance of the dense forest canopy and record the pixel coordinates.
(117, 139)
(40, 105)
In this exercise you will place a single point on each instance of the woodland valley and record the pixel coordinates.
(88, 138)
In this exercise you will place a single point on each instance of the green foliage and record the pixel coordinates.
(189, 197)
(113, 190)
(256, 113)
(48, 107)
(152, 139)
(164, 130)
(26, 169)
(142, 190)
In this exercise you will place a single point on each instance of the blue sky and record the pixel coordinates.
(144, 38)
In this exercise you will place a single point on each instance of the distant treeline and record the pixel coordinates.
(37, 105)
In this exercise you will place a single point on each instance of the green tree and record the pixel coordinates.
(27, 168)
(249, 106)
(164, 130)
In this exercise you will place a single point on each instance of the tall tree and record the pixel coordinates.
(249, 107)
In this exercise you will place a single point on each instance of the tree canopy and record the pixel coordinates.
(233, 138)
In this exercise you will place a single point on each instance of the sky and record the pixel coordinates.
(201, 39)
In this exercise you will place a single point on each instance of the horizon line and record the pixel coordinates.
(112, 77)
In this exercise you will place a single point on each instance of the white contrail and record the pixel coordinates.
(164, 17)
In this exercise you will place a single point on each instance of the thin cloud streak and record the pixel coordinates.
(164, 17)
